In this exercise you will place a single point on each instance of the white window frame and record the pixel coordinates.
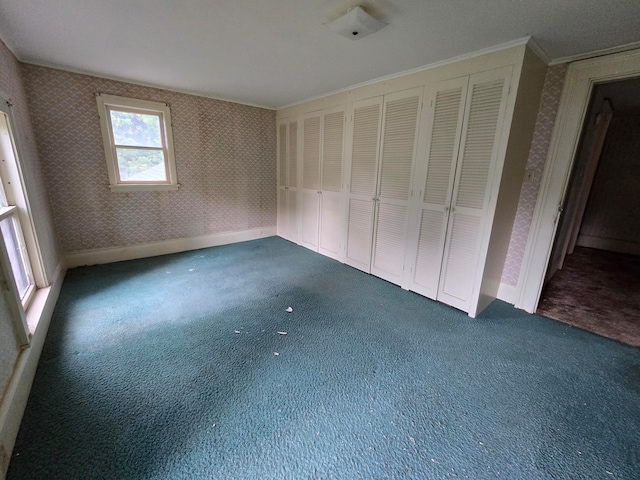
(106, 103)
(14, 194)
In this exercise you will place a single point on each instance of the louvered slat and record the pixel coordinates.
(429, 258)
(282, 213)
(461, 256)
(293, 154)
(282, 161)
(310, 218)
(331, 232)
(390, 239)
(366, 123)
(398, 147)
(332, 142)
(359, 239)
(311, 155)
(292, 216)
(442, 150)
(479, 143)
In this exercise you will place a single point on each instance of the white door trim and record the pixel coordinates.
(576, 93)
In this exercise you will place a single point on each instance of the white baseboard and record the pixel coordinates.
(118, 254)
(507, 293)
(610, 244)
(17, 391)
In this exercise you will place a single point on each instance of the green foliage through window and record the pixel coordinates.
(132, 130)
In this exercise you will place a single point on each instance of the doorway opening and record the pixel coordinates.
(593, 275)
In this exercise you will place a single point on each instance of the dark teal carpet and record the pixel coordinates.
(143, 377)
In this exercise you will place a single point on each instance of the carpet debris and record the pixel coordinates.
(282, 333)
(289, 310)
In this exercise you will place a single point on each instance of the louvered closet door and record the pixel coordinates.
(362, 182)
(434, 183)
(282, 227)
(311, 151)
(292, 195)
(333, 125)
(484, 114)
(397, 158)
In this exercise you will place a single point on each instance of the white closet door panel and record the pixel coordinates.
(397, 159)
(282, 219)
(311, 152)
(399, 144)
(460, 261)
(484, 114)
(390, 239)
(360, 234)
(293, 154)
(310, 219)
(332, 150)
(282, 154)
(366, 141)
(446, 121)
(479, 141)
(292, 215)
(431, 238)
(435, 181)
(330, 225)
(362, 181)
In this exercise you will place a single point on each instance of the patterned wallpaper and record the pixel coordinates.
(613, 209)
(225, 161)
(537, 157)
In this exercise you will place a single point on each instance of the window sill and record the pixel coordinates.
(143, 187)
(36, 308)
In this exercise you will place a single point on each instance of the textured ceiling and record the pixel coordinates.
(277, 52)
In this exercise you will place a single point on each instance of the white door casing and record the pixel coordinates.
(576, 93)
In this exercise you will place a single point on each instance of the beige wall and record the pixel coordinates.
(545, 121)
(225, 160)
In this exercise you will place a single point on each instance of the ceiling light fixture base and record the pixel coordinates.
(355, 24)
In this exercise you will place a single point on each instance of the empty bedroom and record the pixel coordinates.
(312, 240)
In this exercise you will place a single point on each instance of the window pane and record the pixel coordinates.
(136, 129)
(138, 165)
(8, 227)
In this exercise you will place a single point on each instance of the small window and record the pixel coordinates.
(138, 144)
